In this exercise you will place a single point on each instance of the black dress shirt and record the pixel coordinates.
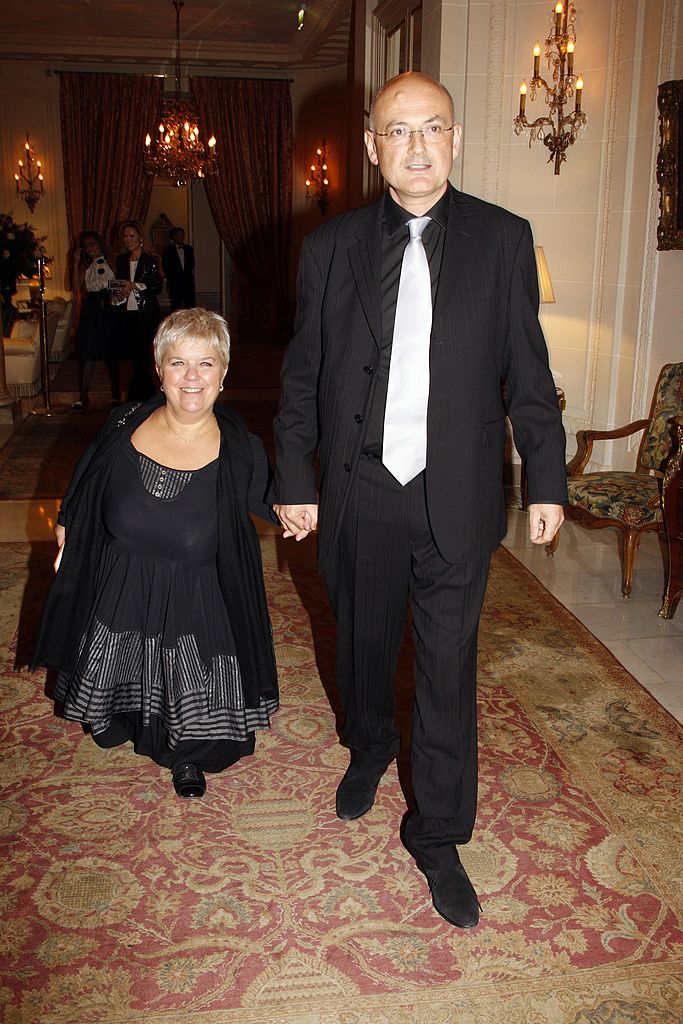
(395, 237)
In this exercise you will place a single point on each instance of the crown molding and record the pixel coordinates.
(322, 42)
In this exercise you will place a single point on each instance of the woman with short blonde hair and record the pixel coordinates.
(157, 619)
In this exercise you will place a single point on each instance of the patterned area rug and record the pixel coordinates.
(123, 904)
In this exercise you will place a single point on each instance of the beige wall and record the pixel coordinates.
(619, 305)
(29, 101)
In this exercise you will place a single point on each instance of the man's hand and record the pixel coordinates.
(298, 520)
(544, 522)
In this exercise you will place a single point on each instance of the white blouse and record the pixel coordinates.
(98, 275)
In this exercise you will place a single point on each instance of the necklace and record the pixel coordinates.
(193, 437)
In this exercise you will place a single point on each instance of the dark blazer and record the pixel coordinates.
(180, 281)
(147, 273)
(485, 334)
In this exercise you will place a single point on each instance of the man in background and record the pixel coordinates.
(178, 262)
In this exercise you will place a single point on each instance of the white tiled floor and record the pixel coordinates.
(585, 575)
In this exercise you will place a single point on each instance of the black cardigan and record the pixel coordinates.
(242, 484)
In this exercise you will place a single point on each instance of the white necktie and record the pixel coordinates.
(404, 450)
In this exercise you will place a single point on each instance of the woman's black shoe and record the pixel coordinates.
(189, 781)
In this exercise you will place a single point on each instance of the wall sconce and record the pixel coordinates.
(556, 129)
(300, 17)
(317, 181)
(29, 180)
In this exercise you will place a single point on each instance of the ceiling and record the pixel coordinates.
(215, 34)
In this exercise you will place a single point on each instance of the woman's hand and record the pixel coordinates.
(60, 534)
(298, 520)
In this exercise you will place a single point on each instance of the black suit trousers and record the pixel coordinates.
(384, 561)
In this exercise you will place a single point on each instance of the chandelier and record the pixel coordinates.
(177, 153)
(555, 129)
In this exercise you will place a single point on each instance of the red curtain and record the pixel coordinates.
(104, 122)
(250, 193)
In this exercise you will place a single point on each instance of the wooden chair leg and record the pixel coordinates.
(631, 541)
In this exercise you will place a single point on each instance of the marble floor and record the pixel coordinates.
(585, 575)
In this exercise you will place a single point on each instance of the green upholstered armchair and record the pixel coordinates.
(630, 501)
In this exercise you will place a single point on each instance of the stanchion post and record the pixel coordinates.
(44, 354)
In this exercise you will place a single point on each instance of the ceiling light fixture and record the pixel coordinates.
(175, 152)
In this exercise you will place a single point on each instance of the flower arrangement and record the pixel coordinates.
(19, 249)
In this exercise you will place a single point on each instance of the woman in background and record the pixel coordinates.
(93, 337)
(157, 620)
(137, 285)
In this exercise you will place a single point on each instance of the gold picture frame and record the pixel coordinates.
(670, 165)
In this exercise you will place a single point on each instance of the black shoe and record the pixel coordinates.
(356, 791)
(189, 781)
(453, 894)
(80, 406)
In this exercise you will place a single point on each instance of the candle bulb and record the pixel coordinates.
(570, 58)
(558, 18)
(537, 59)
(522, 98)
(579, 88)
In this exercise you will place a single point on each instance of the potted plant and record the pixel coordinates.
(19, 251)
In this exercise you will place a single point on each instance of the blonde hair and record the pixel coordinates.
(193, 325)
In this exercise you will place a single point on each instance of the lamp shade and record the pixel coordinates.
(545, 285)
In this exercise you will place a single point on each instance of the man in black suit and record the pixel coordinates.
(177, 260)
(384, 542)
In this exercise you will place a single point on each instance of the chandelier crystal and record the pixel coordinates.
(175, 151)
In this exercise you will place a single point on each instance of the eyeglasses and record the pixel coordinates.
(400, 135)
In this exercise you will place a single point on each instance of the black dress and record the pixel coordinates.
(157, 662)
(93, 337)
